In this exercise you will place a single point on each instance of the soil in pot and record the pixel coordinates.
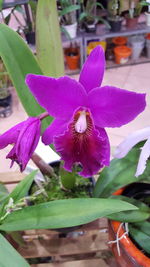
(131, 254)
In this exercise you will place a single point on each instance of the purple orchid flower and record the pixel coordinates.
(81, 111)
(25, 137)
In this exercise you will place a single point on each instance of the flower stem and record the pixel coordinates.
(43, 115)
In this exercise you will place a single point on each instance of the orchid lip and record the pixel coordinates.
(81, 124)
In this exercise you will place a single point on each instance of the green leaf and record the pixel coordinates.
(19, 61)
(20, 190)
(48, 39)
(9, 256)
(1, 4)
(120, 173)
(62, 213)
(142, 239)
(23, 187)
(83, 15)
(69, 9)
(3, 192)
(143, 226)
(142, 214)
(68, 179)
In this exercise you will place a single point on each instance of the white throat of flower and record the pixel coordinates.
(81, 124)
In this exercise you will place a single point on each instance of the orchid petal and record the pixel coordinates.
(105, 138)
(56, 128)
(10, 137)
(90, 149)
(133, 139)
(12, 155)
(143, 158)
(60, 97)
(92, 72)
(114, 107)
(27, 141)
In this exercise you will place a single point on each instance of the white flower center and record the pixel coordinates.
(81, 124)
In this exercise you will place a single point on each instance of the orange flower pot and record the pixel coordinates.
(130, 255)
(72, 58)
(120, 40)
(122, 54)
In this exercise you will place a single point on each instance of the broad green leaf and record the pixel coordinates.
(143, 226)
(23, 187)
(139, 215)
(9, 256)
(129, 216)
(62, 213)
(48, 39)
(121, 172)
(142, 239)
(20, 61)
(20, 190)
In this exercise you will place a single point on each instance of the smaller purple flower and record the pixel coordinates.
(24, 137)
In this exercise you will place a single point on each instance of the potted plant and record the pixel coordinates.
(67, 13)
(114, 8)
(77, 132)
(88, 17)
(5, 95)
(135, 9)
(129, 231)
(73, 139)
(29, 29)
(72, 56)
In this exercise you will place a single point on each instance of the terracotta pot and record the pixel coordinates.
(122, 54)
(72, 58)
(148, 45)
(120, 40)
(130, 255)
(131, 23)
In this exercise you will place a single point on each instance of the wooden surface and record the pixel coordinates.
(51, 243)
(82, 263)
